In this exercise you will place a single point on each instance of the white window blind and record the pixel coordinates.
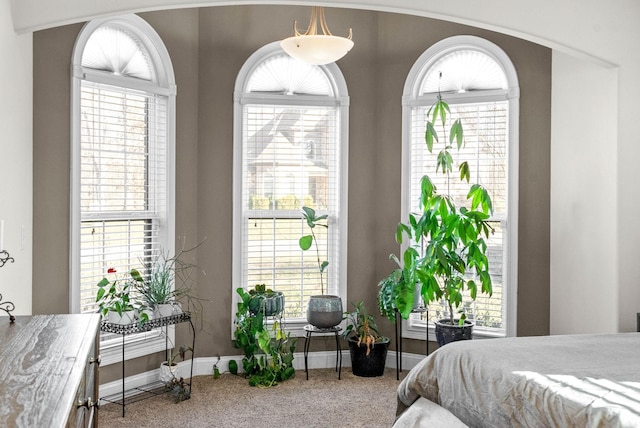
(123, 182)
(291, 160)
(485, 135)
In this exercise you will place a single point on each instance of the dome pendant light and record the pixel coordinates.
(314, 48)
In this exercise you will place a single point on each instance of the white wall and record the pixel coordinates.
(583, 197)
(597, 276)
(16, 201)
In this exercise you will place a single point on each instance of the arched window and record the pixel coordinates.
(478, 81)
(291, 122)
(123, 101)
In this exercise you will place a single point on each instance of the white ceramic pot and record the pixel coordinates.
(167, 372)
(127, 317)
(164, 310)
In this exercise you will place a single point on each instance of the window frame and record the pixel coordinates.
(412, 328)
(340, 99)
(163, 84)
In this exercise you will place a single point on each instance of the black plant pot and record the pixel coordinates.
(368, 365)
(447, 333)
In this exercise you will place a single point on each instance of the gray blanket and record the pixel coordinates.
(550, 381)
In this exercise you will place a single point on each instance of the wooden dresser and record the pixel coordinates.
(49, 371)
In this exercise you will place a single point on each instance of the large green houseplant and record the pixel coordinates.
(445, 253)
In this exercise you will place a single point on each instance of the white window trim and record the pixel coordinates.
(410, 99)
(241, 98)
(155, 341)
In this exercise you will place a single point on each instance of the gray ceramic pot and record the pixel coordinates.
(324, 311)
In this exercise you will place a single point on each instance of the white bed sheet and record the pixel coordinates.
(550, 381)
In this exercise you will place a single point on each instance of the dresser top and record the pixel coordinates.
(42, 362)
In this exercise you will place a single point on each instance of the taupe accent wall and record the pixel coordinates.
(208, 47)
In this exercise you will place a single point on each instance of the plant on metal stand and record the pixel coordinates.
(324, 310)
(268, 350)
(447, 252)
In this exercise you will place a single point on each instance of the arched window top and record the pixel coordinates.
(463, 71)
(113, 49)
(125, 48)
(271, 73)
(281, 74)
(462, 65)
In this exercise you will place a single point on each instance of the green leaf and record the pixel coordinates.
(444, 161)
(402, 228)
(323, 266)
(485, 279)
(103, 282)
(264, 340)
(426, 185)
(308, 212)
(233, 367)
(305, 242)
(456, 134)
(480, 198)
(430, 136)
(465, 173)
(473, 289)
(100, 294)
(136, 275)
(440, 110)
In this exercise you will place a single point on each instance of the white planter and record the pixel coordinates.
(165, 310)
(167, 373)
(127, 317)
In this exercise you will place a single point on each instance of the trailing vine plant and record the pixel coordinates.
(268, 350)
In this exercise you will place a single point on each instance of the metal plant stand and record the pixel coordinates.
(399, 338)
(308, 331)
(155, 388)
(6, 306)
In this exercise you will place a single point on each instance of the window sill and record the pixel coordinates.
(417, 331)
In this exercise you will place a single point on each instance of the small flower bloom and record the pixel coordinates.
(111, 270)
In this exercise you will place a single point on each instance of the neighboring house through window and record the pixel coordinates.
(290, 150)
(478, 81)
(123, 101)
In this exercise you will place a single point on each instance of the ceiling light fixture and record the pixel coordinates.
(314, 48)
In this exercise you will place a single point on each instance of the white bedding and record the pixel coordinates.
(550, 381)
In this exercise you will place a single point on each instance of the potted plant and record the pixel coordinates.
(268, 350)
(116, 303)
(323, 310)
(367, 347)
(265, 300)
(167, 284)
(180, 389)
(446, 254)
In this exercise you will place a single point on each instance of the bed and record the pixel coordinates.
(549, 381)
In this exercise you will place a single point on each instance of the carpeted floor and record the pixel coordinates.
(322, 401)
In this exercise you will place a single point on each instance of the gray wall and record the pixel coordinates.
(208, 46)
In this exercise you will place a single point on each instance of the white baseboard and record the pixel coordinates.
(204, 366)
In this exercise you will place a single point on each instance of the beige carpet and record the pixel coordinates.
(322, 401)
